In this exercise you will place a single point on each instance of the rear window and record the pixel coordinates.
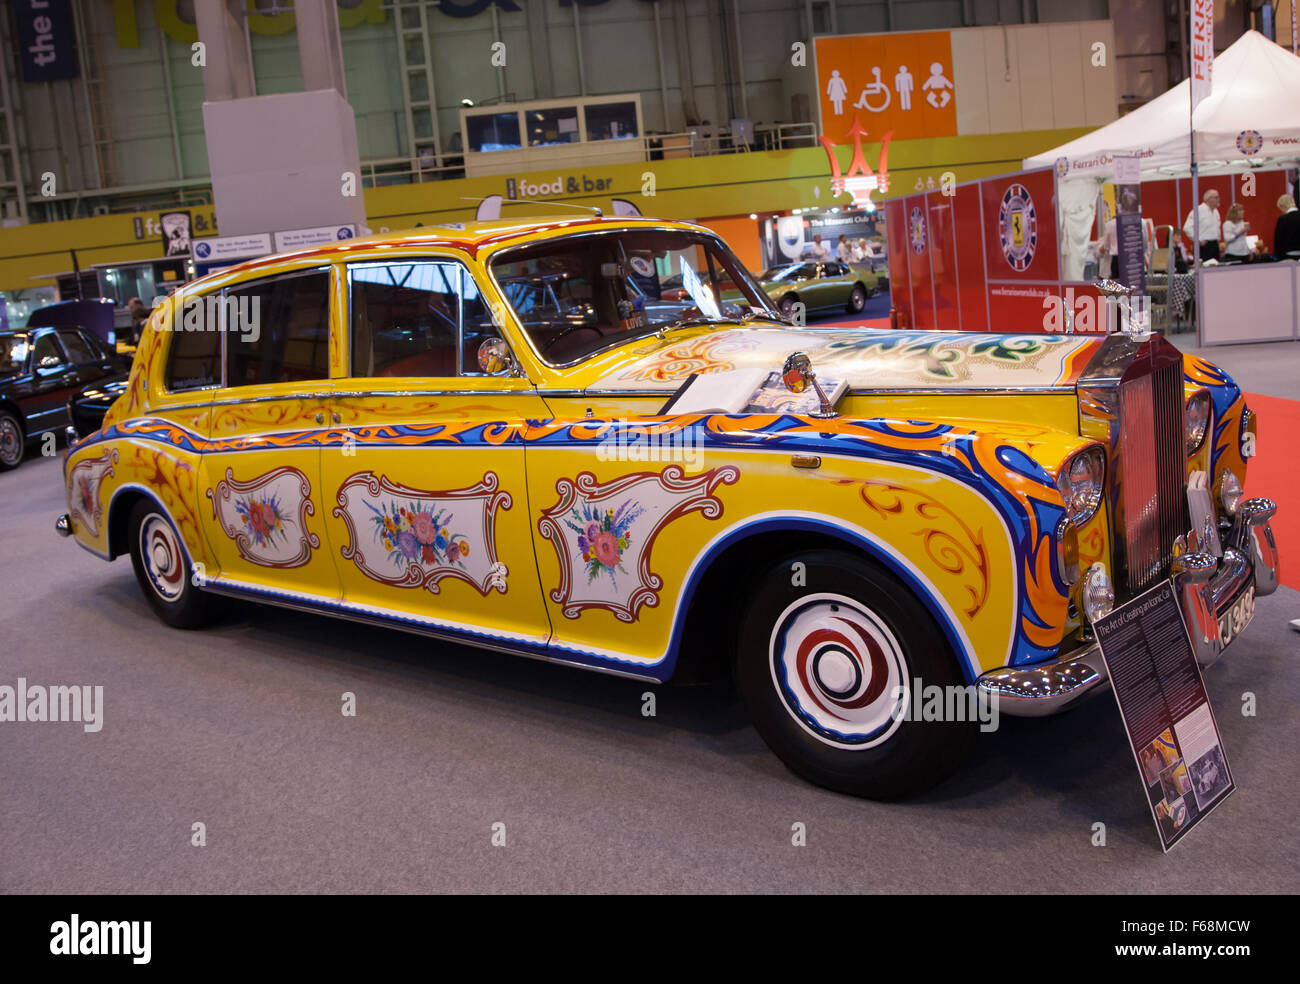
(193, 358)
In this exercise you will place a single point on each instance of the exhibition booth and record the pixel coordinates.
(1242, 139)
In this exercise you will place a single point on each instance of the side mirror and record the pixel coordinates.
(494, 356)
(797, 375)
(797, 372)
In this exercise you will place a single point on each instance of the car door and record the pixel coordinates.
(89, 361)
(54, 380)
(833, 285)
(260, 498)
(428, 516)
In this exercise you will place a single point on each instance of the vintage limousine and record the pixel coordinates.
(461, 432)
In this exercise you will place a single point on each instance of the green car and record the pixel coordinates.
(821, 286)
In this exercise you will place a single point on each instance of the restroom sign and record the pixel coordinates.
(899, 82)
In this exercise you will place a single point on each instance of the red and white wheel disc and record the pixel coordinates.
(839, 671)
(164, 560)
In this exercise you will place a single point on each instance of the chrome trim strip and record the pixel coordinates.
(1064, 389)
(403, 621)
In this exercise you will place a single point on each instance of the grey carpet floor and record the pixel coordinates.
(239, 727)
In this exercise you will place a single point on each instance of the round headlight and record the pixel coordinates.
(1198, 420)
(1098, 593)
(1080, 483)
(1229, 492)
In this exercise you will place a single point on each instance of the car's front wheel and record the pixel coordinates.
(787, 306)
(12, 441)
(857, 299)
(164, 570)
(833, 653)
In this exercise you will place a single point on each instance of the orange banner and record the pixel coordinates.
(898, 82)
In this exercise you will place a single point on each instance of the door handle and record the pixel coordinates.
(320, 417)
(337, 419)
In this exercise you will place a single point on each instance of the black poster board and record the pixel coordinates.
(1162, 699)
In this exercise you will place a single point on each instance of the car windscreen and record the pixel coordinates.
(14, 349)
(580, 294)
(789, 272)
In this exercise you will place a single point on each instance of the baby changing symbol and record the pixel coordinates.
(937, 87)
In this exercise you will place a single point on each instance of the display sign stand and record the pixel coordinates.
(1166, 711)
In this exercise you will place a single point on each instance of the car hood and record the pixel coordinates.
(867, 359)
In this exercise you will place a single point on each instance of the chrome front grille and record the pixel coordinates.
(1153, 452)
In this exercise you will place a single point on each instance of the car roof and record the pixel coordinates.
(466, 236)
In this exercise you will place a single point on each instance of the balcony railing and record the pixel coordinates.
(700, 141)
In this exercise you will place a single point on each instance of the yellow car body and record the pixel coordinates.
(552, 510)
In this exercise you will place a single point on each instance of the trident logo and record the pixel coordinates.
(860, 181)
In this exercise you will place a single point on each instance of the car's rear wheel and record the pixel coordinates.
(787, 306)
(13, 442)
(833, 651)
(164, 570)
(857, 299)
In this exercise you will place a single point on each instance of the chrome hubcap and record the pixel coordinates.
(164, 561)
(839, 671)
(10, 441)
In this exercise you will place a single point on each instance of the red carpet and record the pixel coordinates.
(1275, 472)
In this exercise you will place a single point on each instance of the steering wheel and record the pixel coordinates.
(568, 331)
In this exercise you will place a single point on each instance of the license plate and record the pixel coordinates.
(1237, 615)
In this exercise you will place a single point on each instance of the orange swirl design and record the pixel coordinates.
(943, 547)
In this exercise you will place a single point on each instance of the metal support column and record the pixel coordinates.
(11, 165)
(419, 97)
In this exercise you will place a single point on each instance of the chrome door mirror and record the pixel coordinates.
(797, 375)
(797, 372)
(494, 357)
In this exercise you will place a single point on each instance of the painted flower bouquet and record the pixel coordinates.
(264, 518)
(413, 534)
(603, 536)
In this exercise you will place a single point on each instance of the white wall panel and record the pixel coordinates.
(973, 95)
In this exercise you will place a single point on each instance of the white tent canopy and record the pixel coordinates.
(1252, 119)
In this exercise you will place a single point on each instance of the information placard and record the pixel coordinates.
(1166, 712)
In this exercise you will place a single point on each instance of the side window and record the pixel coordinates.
(46, 354)
(94, 344)
(194, 355)
(76, 347)
(278, 330)
(408, 318)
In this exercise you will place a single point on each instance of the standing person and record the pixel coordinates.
(1108, 249)
(139, 315)
(843, 251)
(1209, 231)
(859, 252)
(1235, 244)
(1286, 234)
(817, 251)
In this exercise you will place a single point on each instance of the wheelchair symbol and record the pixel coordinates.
(876, 88)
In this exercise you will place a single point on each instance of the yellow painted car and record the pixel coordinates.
(461, 433)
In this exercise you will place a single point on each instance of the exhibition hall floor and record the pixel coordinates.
(239, 727)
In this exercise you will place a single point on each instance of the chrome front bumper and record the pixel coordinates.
(1214, 594)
